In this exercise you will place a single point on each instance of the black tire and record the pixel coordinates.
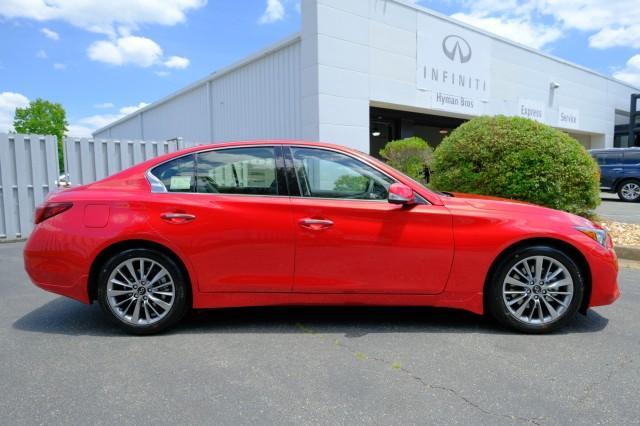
(497, 306)
(180, 304)
(621, 192)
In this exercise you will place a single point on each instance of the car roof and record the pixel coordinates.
(613, 150)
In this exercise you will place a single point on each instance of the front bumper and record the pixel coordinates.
(603, 263)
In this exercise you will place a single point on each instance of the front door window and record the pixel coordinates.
(329, 174)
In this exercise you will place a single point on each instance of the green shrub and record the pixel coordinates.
(411, 156)
(517, 158)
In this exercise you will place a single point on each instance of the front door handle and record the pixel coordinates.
(177, 218)
(315, 224)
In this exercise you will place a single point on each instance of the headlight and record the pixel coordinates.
(599, 235)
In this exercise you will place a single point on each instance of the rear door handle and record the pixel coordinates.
(618, 169)
(177, 218)
(315, 224)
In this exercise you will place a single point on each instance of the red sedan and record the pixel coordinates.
(297, 223)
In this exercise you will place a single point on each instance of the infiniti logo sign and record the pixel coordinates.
(453, 45)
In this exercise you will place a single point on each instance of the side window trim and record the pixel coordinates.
(293, 177)
(281, 174)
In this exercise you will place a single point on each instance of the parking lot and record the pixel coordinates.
(62, 363)
(615, 209)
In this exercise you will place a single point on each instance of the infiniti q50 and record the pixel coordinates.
(299, 223)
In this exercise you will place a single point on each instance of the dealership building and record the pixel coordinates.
(363, 72)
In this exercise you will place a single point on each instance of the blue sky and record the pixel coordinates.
(102, 59)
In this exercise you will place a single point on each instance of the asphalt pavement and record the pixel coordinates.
(61, 362)
(615, 209)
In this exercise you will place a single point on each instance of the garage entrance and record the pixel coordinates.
(388, 124)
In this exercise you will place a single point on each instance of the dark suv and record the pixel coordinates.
(620, 169)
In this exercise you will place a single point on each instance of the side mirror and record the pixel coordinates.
(401, 194)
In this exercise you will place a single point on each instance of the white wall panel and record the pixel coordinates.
(184, 116)
(258, 99)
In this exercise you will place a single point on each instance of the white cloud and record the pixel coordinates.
(79, 131)
(50, 34)
(41, 54)
(631, 72)
(273, 12)
(9, 101)
(83, 127)
(518, 29)
(104, 105)
(133, 50)
(162, 73)
(139, 51)
(132, 108)
(621, 36)
(102, 16)
(614, 23)
(609, 23)
(59, 66)
(178, 62)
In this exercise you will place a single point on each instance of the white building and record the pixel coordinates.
(362, 72)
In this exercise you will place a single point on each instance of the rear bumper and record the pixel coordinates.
(54, 268)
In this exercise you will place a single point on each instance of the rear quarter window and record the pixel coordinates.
(177, 175)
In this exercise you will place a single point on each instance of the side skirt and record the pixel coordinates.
(467, 302)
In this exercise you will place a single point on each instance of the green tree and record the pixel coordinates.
(517, 158)
(351, 183)
(42, 117)
(411, 156)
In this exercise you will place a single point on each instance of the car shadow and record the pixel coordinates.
(67, 317)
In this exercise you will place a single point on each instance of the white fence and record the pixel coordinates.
(89, 160)
(28, 171)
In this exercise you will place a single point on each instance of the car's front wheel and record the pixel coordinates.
(629, 191)
(142, 290)
(536, 290)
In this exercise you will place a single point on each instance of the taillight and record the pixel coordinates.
(49, 210)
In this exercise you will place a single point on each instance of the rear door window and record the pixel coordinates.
(608, 158)
(247, 171)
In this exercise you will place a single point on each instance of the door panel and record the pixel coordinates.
(234, 243)
(237, 227)
(372, 247)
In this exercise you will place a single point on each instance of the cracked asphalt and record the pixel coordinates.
(61, 362)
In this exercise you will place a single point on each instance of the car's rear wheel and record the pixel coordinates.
(536, 290)
(142, 290)
(629, 190)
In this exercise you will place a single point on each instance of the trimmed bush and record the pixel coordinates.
(411, 156)
(517, 158)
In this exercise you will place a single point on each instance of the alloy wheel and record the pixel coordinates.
(630, 191)
(537, 290)
(140, 291)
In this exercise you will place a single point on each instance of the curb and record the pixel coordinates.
(629, 253)
(14, 240)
